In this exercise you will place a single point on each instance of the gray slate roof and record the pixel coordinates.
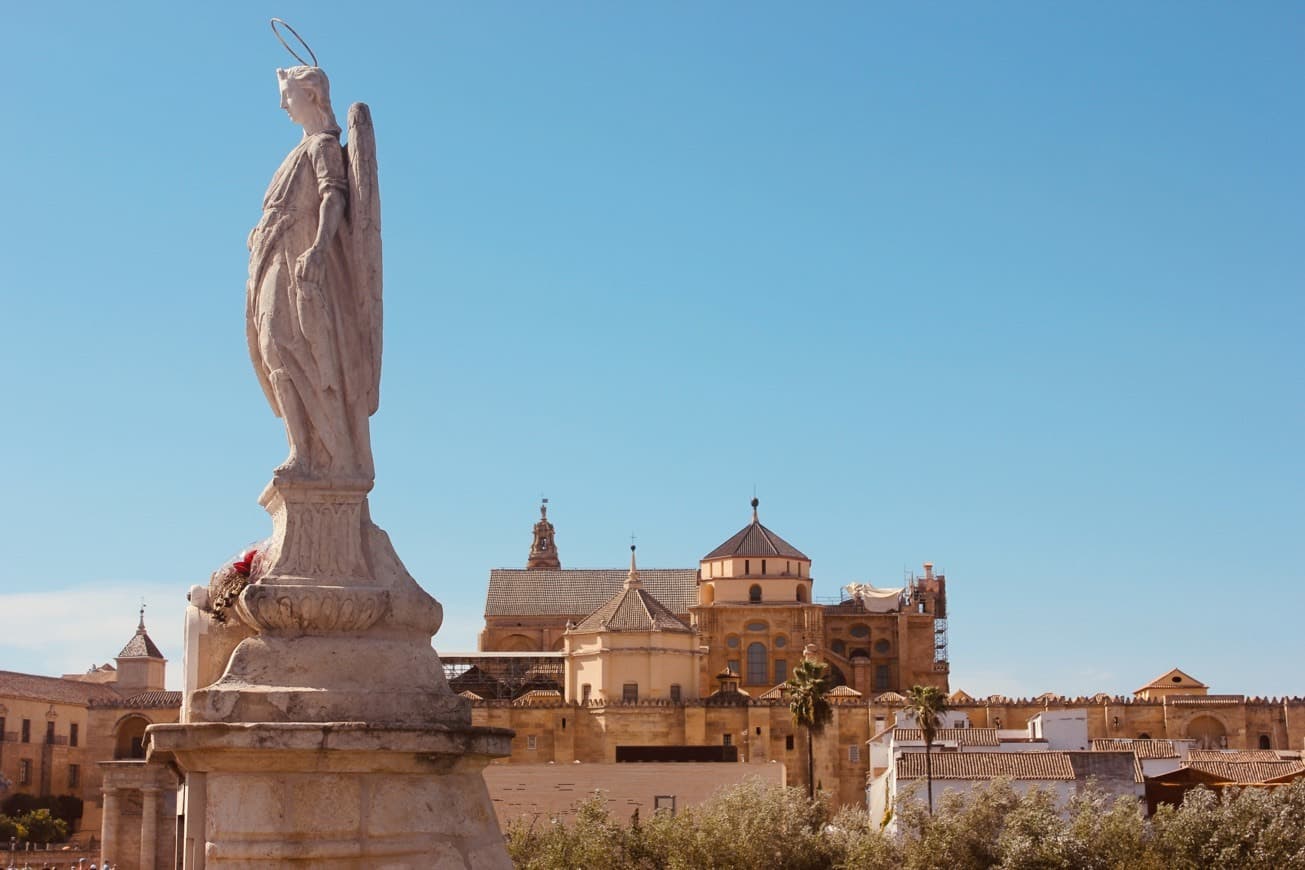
(754, 539)
(578, 592)
(633, 609)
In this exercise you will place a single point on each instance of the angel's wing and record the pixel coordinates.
(365, 239)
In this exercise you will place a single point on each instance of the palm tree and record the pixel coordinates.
(806, 688)
(927, 703)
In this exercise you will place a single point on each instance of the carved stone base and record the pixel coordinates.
(331, 679)
(335, 796)
(342, 631)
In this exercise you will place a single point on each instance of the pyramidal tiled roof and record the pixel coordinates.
(754, 539)
(140, 646)
(632, 609)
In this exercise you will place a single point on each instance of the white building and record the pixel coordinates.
(1053, 754)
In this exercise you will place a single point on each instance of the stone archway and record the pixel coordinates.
(1208, 732)
(129, 738)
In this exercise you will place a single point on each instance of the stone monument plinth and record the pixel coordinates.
(336, 795)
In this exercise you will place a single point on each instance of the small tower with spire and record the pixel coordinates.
(543, 549)
(140, 663)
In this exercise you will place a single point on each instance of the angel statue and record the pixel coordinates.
(313, 309)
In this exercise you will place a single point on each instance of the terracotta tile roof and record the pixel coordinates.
(987, 765)
(890, 698)
(155, 699)
(843, 692)
(140, 646)
(1234, 755)
(1142, 748)
(773, 694)
(963, 736)
(1107, 764)
(1249, 772)
(1204, 700)
(578, 592)
(53, 689)
(538, 696)
(633, 609)
(754, 539)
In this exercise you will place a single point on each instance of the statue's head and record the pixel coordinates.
(306, 97)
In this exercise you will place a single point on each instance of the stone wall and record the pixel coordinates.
(546, 791)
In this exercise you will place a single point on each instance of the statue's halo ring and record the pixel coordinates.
(274, 22)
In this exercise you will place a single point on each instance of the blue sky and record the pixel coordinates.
(1015, 289)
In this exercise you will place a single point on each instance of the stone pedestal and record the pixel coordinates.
(342, 631)
(337, 795)
(331, 738)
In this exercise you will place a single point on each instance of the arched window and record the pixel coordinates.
(802, 594)
(1265, 742)
(757, 663)
(754, 593)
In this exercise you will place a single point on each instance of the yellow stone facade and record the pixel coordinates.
(754, 614)
(750, 603)
(83, 735)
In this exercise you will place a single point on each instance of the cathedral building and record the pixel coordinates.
(600, 666)
(749, 605)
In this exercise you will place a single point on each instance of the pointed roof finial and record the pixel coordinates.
(632, 580)
(755, 502)
(141, 625)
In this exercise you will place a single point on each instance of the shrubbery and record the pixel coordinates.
(756, 827)
(65, 806)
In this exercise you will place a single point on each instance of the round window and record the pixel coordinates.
(781, 641)
(859, 631)
(732, 642)
(882, 646)
(756, 626)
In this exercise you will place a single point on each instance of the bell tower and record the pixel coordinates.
(543, 549)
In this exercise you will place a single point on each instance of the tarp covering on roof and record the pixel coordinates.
(876, 600)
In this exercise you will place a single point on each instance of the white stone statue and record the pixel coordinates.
(313, 314)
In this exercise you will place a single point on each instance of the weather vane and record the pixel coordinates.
(295, 33)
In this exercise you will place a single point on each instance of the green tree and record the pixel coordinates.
(807, 688)
(927, 703)
(11, 827)
(43, 827)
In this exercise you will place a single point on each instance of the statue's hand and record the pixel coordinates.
(309, 266)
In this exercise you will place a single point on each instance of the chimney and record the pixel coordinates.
(928, 570)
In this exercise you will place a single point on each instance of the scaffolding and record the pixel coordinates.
(499, 676)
